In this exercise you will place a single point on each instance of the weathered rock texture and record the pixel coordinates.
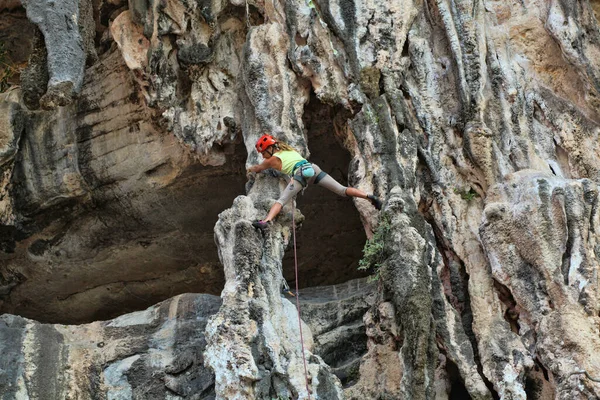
(100, 221)
(155, 353)
(151, 354)
(16, 33)
(100, 184)
(67, 27)
(254, 340)
(477, 121)
(335, 317)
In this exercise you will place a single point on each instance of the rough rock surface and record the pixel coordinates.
(254, 341)
(335, 317)
(93, 188)
(158, 352)
(150, 354)
(555, 285)
(476, 121)
(16, 33)
(68, 31)
(99, 184)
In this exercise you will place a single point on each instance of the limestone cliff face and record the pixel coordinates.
(122, 157)
(142, 355)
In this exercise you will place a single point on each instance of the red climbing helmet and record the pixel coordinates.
(264, 142)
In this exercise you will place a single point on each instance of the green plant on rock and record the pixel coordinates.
(374, 252)
(371, 117)
(467, 195)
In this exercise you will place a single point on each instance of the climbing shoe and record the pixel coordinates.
(287, 292)
(375, 201)
(261, 224)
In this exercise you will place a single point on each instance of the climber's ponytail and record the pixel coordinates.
(284, 146)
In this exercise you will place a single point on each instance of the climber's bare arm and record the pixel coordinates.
(271, 162)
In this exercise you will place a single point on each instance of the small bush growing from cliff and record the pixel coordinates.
(374, 251)
(467, 195)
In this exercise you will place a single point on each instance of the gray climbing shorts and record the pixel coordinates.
(327, 182)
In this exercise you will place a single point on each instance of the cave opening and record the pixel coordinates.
(458, 390)
(331, 238)
(126, 251)
(538, 385)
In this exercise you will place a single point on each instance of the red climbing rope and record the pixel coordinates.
(298, 297)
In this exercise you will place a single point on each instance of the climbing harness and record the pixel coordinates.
(306, 171)
(319, 177)
(298, 296)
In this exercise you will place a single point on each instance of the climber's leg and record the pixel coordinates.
(325, 180)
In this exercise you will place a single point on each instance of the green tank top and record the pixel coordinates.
(288, 159)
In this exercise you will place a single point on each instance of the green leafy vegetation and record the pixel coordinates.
(371, 117)
(374, 252)
(467, 195)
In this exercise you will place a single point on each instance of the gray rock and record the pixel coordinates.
(549, 267)
(12, 122)
(335, 317)
(156, 353)
(68, 30)
(195, 54)
(255, 335)
(76, 163)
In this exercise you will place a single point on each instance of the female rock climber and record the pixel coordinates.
(283, 157)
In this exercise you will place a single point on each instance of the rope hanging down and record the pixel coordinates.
(298, 296)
